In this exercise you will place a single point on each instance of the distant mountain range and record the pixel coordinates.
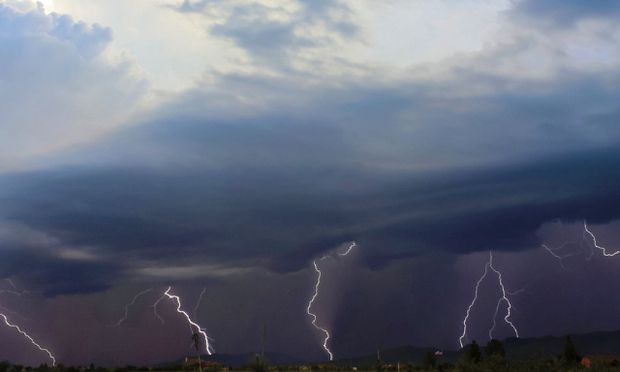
(595, 343)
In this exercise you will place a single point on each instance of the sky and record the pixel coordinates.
(226, 145)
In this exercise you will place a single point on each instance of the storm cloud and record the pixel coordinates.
(274, 189)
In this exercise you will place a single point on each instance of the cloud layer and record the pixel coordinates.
(255, 169)
(56, 86)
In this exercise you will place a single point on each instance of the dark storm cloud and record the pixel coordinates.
(282, 220)
(468, 163)
(53, 275)
(566, 12)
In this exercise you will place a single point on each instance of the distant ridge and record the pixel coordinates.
(593, 343)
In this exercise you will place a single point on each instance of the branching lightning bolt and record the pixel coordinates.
(595, 243)
(559, 257)
(316, 294)
(128, 305)
(14, 291)
(473, 302)
(504, 298)
(587, 237)
(27, 336)
(176, 298)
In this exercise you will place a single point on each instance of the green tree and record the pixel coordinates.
(570, 352)
(429, 360)
(259, 364)
(473, 354)
(495, 347)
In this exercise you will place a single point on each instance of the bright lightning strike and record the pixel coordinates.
(346, 253)
(27, 336)
(587, 237)
(504, 298)
(314, 317)
(595, 243)
(128, 305)
(189, 320)
(473, 302)
(316, 294)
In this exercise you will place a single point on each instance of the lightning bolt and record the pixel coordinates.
(11, 283)
(517, 292)
(503, 298)
(595, 243)
(346, 253)
(128, 305)
(154, 306)
(473, 302)
(9, 291)
(317, 285)
(553, 253)
(16, 292)
(27, 336)
(195, 311)
(176, 299)
(587, 237)
(314, 317)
